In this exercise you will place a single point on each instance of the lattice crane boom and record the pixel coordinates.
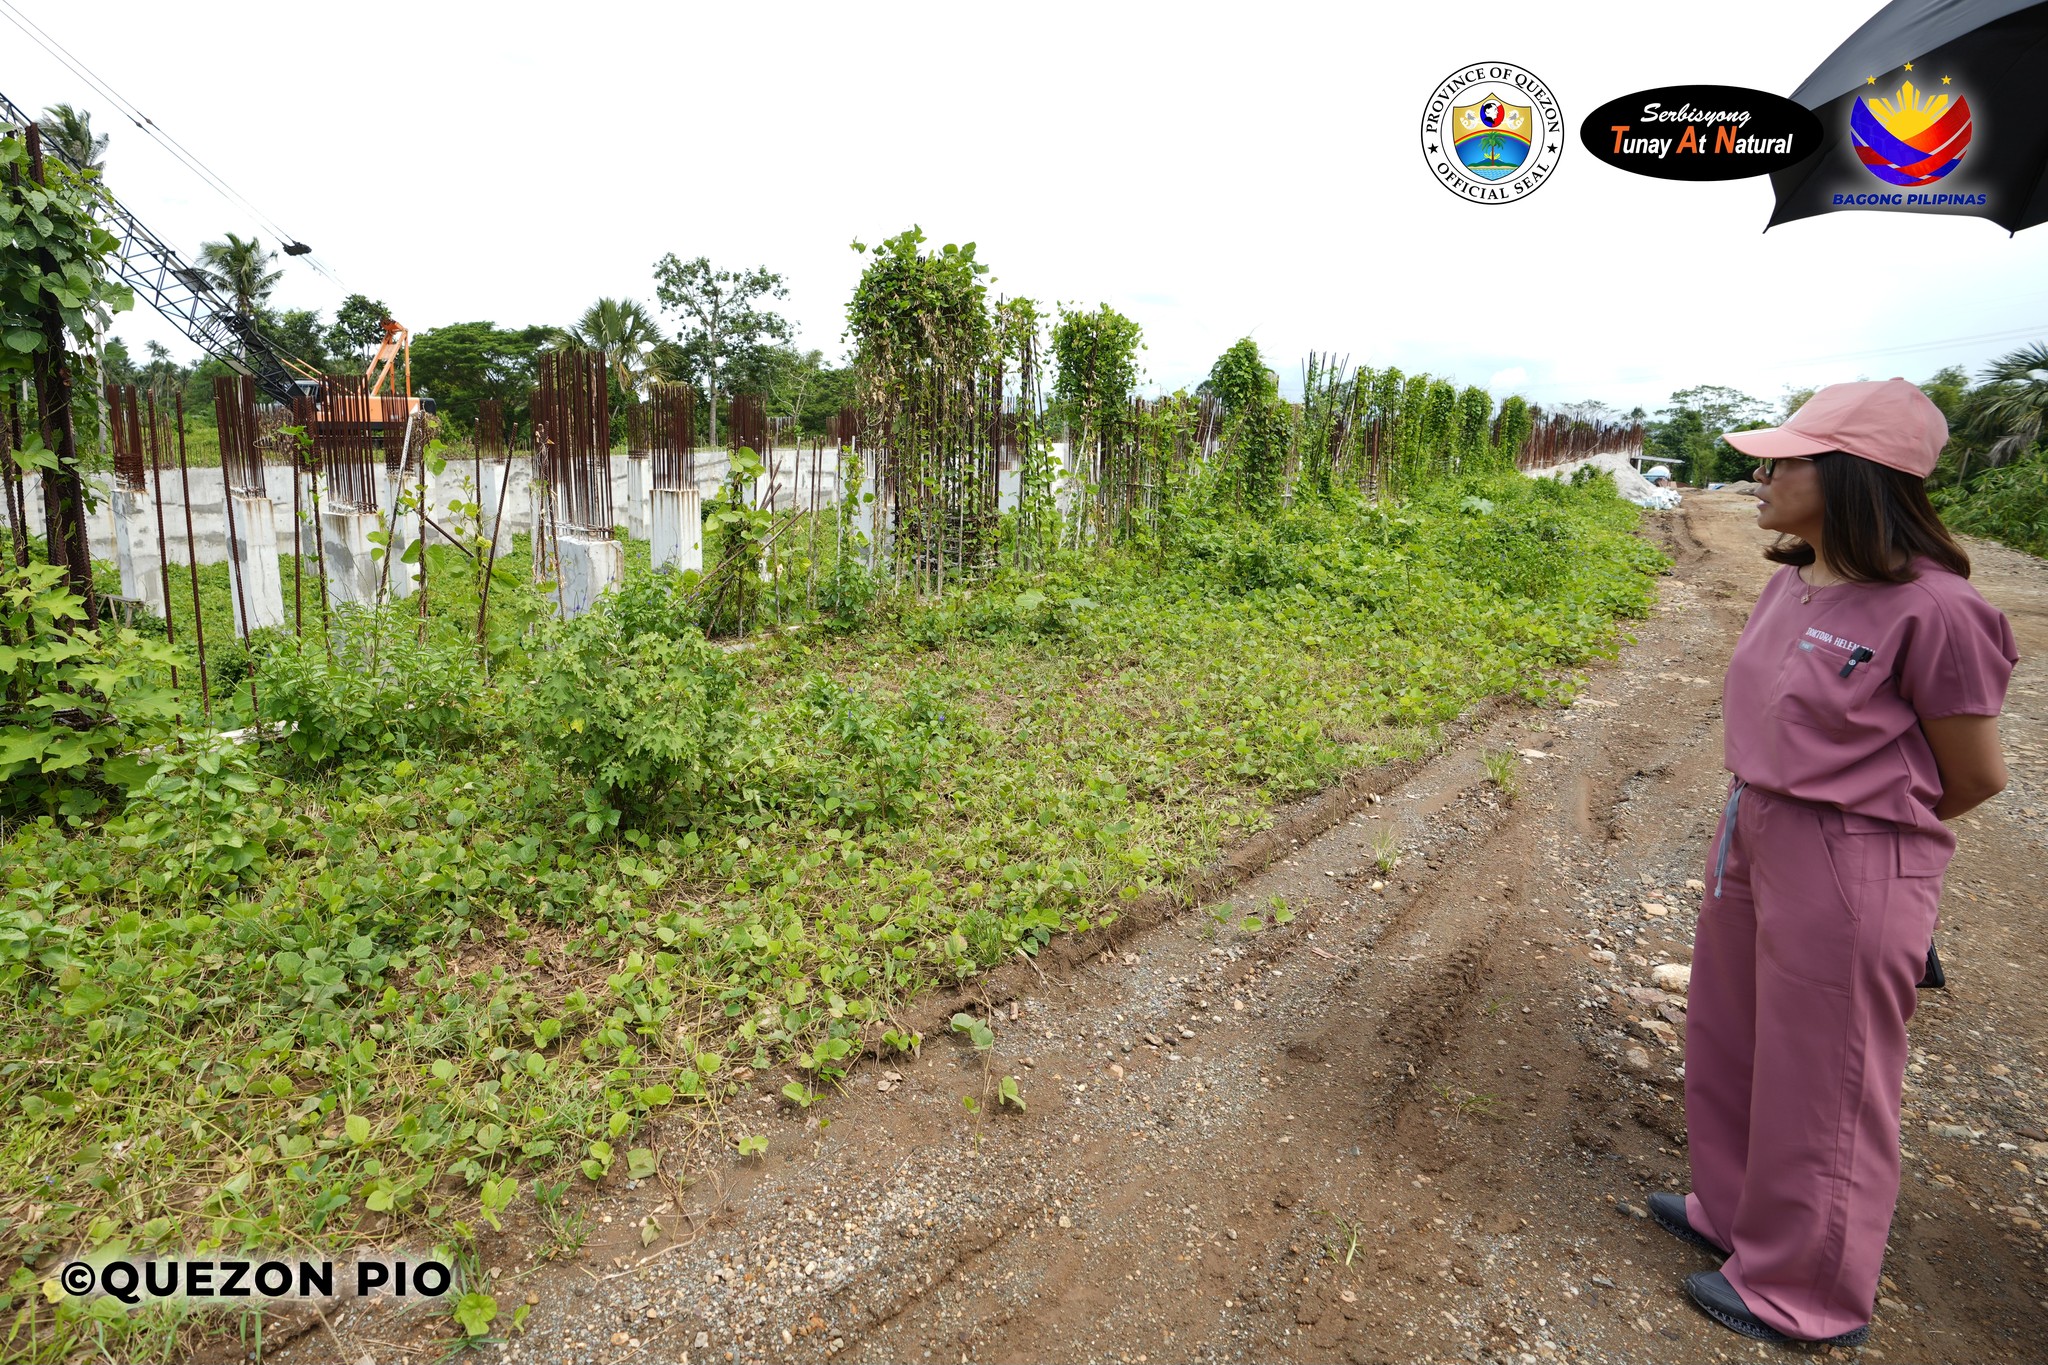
(183, 294)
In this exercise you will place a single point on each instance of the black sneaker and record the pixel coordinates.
(1718, 1300)
(1669, 1211)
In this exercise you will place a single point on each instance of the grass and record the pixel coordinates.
(1386, 851)
(1503, 769)
(269, 1004)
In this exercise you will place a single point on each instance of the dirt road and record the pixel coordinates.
(1417, 1121)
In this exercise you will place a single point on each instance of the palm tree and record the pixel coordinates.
(624, 331)
(2009, 405)
(69, 133)
(241, 270)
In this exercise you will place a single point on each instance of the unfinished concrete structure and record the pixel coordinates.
(138, 527)
(573, 439)
(258, 590)
(676, 508)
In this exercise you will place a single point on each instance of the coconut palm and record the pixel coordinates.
(69, 133)
(2008, 406)
(241, 270)
(625, 332)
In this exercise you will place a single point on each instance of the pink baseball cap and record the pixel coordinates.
(1885, 421)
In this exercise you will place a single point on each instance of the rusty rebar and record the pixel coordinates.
(163, 553)
(672, 436)
(192, 562)
(572, 402)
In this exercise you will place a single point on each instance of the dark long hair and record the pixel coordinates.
(1870, 516)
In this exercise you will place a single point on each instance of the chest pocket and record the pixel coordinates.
(1811, 691)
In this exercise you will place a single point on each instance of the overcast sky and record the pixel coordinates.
(1210, 173)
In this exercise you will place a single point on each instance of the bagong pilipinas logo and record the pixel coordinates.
(1910, 139)
(1492, 132)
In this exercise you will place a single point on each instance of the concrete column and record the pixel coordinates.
(496, 474)
(404, 579)
(352, 570)
(135, 549)
(590, 568)
(676, 530)
(254, 583)
(636, 496)
(536, 525)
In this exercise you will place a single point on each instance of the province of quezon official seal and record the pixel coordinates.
(1492, 133)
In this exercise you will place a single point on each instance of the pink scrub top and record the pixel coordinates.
(1795, 725)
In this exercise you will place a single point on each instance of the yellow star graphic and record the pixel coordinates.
(1944, 80)
(1870, 80)
(1909, 66)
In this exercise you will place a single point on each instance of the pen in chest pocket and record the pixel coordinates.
(1859, 655)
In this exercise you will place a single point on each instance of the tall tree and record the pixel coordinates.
(358, 327)
(1591, 411)
(464, 363)
(241, 270)
(792, 383)
(69, 132)
(719, 322)
(299, 333)
(624, 331)
(1689, 430)
(162, 376)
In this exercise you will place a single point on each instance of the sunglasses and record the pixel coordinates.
(1765, 468)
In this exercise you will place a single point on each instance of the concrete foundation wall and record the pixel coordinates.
(255, 587)
(788, 483)
(590, 569)
(677, 522)
(136, 550)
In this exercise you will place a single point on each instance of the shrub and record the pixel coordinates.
(644, 719)
(1522, 546)
(2008, 504)
(71, 699)
(845, 591)
(383, 691)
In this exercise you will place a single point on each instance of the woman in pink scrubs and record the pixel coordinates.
(1861, 711)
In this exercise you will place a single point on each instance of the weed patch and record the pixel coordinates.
(459, 942)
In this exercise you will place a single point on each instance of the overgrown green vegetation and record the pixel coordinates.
(324, 989)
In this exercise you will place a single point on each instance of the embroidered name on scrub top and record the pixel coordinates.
(1824, 697)
(1814, 633)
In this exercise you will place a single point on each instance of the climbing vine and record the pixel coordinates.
(930, 382)
(1097, 356)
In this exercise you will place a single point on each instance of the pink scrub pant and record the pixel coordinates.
(1803, 977)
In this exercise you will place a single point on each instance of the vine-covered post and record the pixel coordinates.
(1021, 329)
(1097, 355)
(1255, 425)
(924, 345)
(53, 289)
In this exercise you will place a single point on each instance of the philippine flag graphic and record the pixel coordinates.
(1910, 140)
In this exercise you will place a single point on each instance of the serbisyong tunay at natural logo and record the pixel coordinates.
(1492, 133)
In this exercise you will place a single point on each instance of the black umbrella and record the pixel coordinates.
(1933, 106)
